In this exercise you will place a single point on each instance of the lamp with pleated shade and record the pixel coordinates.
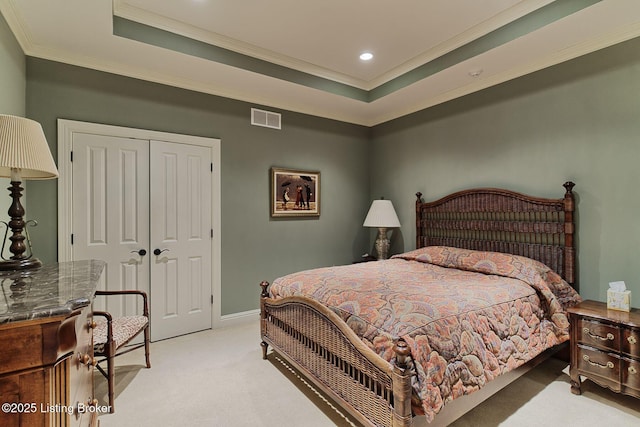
(24, 154)
(382, 215)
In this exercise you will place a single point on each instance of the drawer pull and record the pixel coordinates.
(632, 339)
(86, 359)
(632, 370)
(609, 336)
(609, 364)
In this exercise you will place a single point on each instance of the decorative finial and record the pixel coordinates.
(401, 348)
(264, 285)
(569, 186)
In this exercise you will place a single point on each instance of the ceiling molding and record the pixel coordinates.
(489, 38)
(39, 25)
(620, 35)
(169, 40)
(151, 75)
(17, 25)
(521, 9)
(132, 13)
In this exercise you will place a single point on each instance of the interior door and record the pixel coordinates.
(111, 212)
(180, 239)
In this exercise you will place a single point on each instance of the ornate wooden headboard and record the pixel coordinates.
(490, 219)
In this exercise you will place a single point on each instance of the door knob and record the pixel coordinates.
(141, 252)
(157, 251)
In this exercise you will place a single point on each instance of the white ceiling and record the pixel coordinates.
(323, 41)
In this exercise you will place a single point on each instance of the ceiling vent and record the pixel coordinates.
(266, 119)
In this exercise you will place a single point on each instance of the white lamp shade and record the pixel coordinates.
(381, 214)
(24, 149)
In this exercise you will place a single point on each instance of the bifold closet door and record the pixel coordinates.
(111, 213)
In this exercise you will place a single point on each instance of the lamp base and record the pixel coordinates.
(382, 244)
(20, 264)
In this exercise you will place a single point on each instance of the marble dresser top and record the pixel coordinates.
(51, 290)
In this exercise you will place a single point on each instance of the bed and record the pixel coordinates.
(480, 298)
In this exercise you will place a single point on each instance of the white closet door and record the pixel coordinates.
(111, 213)
(180, 249)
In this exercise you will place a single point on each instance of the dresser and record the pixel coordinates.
(46, 345)
(605, 347)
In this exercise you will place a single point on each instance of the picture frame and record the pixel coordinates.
(295, 193)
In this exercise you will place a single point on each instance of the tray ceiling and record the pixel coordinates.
(304, 56)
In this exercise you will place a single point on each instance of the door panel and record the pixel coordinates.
(111, 212)
(180, 228)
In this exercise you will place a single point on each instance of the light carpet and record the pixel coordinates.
(218, 378)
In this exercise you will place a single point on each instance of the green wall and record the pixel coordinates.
(254, 247)
(13, 80)
(577, 121)
(13, 83)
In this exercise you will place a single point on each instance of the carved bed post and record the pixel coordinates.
(263, 317)
(401, 385)
(569, 228)
(419, 233)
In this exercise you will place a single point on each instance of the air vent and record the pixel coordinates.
(266, 119)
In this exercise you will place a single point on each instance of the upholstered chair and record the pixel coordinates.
(112, 334)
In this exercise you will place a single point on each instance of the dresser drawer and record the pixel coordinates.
(630, 344)
(81, 363)
(596, 363)
(73, 374)
(599, 335)
(631, 375)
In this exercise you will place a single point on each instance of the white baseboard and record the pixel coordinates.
(236, 319)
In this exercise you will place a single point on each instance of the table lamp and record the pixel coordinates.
(382, 215)
(24, 154)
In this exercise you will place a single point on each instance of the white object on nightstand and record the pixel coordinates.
(618, 297)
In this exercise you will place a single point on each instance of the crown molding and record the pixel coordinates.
(126, 11)
(151, 75)
(518, 11)
(328, 105)
(17, 25)
(619, 35)
(145, 17)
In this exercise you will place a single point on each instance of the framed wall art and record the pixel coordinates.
(294, 193)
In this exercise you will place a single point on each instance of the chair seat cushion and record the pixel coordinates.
(124, 328)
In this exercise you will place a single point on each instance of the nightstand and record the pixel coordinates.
(605, 347)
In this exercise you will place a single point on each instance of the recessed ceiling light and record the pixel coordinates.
(366, 56)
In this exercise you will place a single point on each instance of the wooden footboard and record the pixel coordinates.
(319, 343)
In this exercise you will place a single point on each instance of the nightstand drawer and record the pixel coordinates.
(631, 374)
(598, 335)
(631, 342)
(601, 364)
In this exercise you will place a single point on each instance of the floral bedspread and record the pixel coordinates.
(468, 316)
